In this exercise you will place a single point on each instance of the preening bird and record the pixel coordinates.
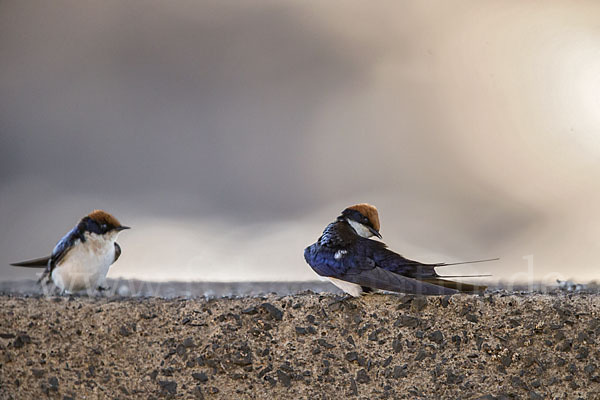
(357, 264)
(81, 259)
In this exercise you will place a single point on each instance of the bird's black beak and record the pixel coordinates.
(375, 232)
(122, 228)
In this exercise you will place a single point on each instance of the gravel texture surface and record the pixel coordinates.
(497, 346)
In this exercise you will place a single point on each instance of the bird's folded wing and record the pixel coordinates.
(323, 261)
(394, 262)
(381, 279)
(117, 252)
(65, 245)
(357, 265)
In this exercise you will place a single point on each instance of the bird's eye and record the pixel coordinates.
(103, 226)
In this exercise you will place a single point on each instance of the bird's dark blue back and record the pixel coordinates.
(340, 250)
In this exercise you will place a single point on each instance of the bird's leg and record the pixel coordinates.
(104, 291)
(341, 299)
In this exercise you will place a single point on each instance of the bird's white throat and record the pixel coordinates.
(361, 230)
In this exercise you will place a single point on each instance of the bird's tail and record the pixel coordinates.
(460, 286)
(37, 263)
(466, 262)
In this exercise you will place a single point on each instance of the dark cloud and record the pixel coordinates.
(148, 99)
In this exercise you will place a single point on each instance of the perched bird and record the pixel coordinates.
(81, 259)
(356, 264)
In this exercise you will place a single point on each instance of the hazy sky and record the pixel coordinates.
(228, 134)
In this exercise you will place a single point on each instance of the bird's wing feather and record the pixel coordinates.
(65, 244)
(364, 271)
(58, 253)
(394, 262)
(60, 250)
(382, 279)
(41, 262)
(322, 260)
(117, 252)
(460, 286)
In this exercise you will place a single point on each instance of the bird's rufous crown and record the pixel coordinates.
(368, 211)
(102, 217)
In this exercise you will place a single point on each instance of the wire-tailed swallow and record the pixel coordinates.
(81, 259)
(356, 264)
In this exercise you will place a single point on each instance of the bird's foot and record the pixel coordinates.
(103, 288)
(339, 300)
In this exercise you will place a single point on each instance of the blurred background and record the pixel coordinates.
(228, 134)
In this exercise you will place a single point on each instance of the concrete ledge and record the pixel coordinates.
(302, 346)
